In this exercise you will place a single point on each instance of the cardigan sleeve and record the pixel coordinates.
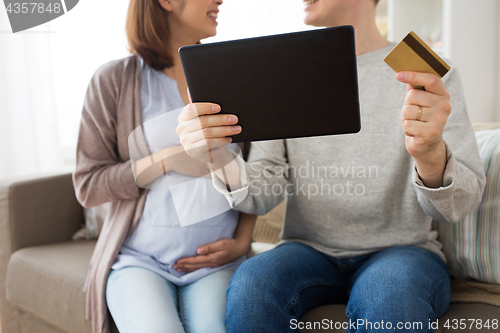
(101, 175)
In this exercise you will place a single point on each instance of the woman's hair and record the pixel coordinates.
(148, 33)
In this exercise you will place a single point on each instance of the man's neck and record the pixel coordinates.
(362, 18)
(369, 41)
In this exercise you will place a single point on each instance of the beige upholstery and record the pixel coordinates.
(47, 281)
(268, 227)
(33, 211)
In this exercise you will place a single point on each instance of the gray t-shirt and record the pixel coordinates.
(158, 239)
(348, 195)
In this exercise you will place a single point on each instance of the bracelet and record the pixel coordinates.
(163, 166)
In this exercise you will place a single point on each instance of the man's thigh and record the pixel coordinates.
(292, 278)
(400, 285)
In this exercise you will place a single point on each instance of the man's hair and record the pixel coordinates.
(148, 33)
(376, 2)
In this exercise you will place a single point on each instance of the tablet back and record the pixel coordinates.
(282, 86)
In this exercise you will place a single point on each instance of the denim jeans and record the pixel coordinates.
(142, 301)
(396, 286)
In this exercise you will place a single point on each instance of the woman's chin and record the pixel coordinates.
(211, 33)
(309, 19)
(313, 21)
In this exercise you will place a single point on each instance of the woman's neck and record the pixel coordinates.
(176, 72)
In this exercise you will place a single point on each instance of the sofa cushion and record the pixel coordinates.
(47, 282)
(268, 227)
(94, 220)
(472, 246)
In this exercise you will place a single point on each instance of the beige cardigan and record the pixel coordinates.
(111, 111)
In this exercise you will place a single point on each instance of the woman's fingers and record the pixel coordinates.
(223, 244)
(200, 261)
(213, 134)
(193, 110)
(215, 120)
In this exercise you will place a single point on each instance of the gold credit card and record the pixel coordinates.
(413, 54)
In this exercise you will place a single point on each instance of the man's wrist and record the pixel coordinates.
(431, 166)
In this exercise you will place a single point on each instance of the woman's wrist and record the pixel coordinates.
(167, 157)
(245, 243)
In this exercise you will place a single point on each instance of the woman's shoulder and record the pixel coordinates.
(117, 68)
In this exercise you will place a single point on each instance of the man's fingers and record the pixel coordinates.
(410, 112)
(419, 129)
(431, 82)
(422, 98)
(193, 110)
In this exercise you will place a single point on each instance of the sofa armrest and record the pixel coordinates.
(33, 211)
(38, 210)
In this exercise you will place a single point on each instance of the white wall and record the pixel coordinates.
(422, 16)
(497, 113)
(471, 42)
(238, 19)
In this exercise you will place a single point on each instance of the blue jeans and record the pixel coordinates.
(142, 301)
(399, 285)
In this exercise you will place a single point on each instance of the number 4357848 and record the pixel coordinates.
(33, 7)
(470, 324)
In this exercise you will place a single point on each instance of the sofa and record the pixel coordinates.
(42, 270)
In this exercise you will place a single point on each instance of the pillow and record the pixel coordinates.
(268, 227)
(472, 246)
(94, 219)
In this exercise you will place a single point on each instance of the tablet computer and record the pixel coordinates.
(290, 85)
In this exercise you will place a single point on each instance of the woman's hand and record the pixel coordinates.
(215, 254)
(175, 159)
(423, 118)
(180, 162)
(203, 131)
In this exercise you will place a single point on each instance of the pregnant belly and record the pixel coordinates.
(166, 242)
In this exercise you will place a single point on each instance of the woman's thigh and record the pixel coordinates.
(142, 301)
(202, 303)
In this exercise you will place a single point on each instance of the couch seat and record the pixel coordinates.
(47, 282)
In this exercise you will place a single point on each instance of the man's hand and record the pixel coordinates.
(424, 139)
(215, 254)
